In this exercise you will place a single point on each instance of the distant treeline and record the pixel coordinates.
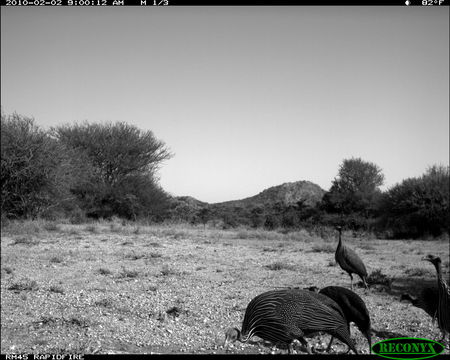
(92, 170)
(417, 207)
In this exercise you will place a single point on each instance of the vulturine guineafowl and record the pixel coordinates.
(443, 308)
(349, 261)
(427, 300)
(353, 307)
(282, 316)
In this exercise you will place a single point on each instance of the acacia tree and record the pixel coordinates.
(117, 150)
(355, 189)
(125, 160)
(36, 170)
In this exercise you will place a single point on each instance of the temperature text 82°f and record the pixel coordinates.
(432, 2)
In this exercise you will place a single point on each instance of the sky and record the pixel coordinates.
(244, 97)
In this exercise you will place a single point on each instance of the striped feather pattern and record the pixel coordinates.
(288, 314)
(443, 311)
(260, 318)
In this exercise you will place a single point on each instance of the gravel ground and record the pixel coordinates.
(120, 289)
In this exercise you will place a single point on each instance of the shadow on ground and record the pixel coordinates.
(384, 334)
(410, 285)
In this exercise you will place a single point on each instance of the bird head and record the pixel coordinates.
(432, 259)
(231, 335)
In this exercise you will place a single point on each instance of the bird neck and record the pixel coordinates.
(340, 240)
(437, 265)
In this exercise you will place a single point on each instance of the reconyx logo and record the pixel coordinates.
(407, 348)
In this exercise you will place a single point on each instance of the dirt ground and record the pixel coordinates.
(122, 288)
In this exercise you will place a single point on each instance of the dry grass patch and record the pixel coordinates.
(269, 249)
(52, 226)
(78, 321)
(115, 228)
(155, 255)
(166, 270)
(323, 248)
(126, 273)
(26, 227)
(25, 240)
(58, 259)
(46, 320)
(8, 270)
(105, 302)
(134, 256)
(153, 244)
(24, 285)
(92, 228)
(278, 265)
(72, 231)
(367, 247)
(104, 271)
(419, 272)
(376, 277)
(56, 289)
(137, 230)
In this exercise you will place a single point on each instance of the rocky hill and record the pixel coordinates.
(287, 194)
(269, 208)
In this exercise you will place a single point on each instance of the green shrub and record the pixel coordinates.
(418, 206)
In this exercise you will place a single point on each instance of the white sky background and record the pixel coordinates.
(245, 97)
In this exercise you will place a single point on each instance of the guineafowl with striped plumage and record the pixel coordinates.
(443, 308)
(282, 316)
(349, 261)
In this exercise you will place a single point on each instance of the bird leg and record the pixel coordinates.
(329, 345)
(365, 282)
(291, 349)
(351, 280)
(306, 347)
